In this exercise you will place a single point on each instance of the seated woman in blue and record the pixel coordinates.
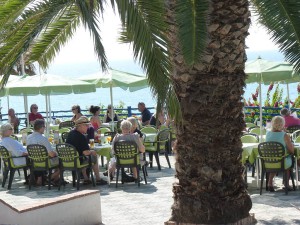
(278, 134)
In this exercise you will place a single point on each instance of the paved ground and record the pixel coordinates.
(151, 203)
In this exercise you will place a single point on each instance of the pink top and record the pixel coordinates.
(95, 125)
(291, 121)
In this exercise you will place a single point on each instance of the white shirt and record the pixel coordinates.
(16, 149)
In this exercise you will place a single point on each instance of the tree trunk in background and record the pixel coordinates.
(211, 188)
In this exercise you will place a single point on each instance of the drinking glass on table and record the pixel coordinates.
(92, 143)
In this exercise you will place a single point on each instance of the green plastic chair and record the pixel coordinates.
(26, 130)
(149, 130)
(295, 135)
(64, 129)
(40, 161)
(159, 145)
(10, 167)
(272, 155)
(297, 140)
(64, 136)
(250, 138)
(256, 130)
(68, 124)
(70, 160)
(127, 156)
(250, 125)
(292, 129)
(104, 130)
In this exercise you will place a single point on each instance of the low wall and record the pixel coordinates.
(79, 208)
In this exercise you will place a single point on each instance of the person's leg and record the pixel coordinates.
(85, 177)
(270, 181)
(134, 172)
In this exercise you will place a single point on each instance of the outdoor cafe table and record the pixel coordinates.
(103, 150)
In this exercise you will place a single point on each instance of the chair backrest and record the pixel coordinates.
(64, 129)
(64, 136)
(104, 129)
(38, 156)
(68, 155)
(66, 124)
(26, 130)
(292, 129)
(295, 135)
(126, 153)
(256, 130)
(162, 127)
(149, 130)
(250, 125)
(14, 137)
(250, 138)
(272, 154)
(6, 157)
(163, 135)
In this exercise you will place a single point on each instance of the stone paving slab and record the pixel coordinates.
(151, 204)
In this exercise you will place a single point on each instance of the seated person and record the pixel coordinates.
(126, 136)
(109, 114)
(37, 137)
(161, 119)
(34, 115)
(77, 112)
(134, 127)
(277, 134)
(12, 145)
(78, 140)
(14, 120)
(289, 119)
(95, 119)
(146, 115)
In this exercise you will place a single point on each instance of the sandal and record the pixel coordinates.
(289, 188)
(86, 182)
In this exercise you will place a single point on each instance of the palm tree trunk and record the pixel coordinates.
(210, 187)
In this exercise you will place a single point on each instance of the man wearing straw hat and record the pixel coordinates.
(77, 138)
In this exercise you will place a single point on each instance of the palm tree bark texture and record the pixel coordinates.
(210, 187)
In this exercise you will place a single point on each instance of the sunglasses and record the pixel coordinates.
(73, 108)
(35, 107)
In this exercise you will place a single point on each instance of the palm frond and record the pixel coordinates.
(282, 20)
(25, 30)
(54, 36)
(90, 21)
(191, 18)
(144, 26)
(11, 9)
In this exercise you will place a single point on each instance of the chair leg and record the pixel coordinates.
(253, 169)
(49, 179)
(77, 179)
(138, 175)
(61, 177)
(25, 175)
(293, 181)
(92, 177)
(102, 160)
(19, 172)
(31, 178)
(118, 170)
(151, 159)
(167, 158)
(262, 180)
(11, 177)
(5, 175)
(144, 169)
(74, 178)
(267, 180)
(157, 160)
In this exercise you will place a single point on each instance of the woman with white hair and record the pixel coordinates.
(12, 145)
(278, 134)
(126, 136)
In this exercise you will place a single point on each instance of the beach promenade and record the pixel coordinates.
(151, 203)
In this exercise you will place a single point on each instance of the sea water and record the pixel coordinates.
(102, 95)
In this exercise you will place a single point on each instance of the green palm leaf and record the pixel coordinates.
(192, 28)
(282, 20)
(144, 27)
(48, 44)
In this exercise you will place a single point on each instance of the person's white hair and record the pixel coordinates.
(6, 127)
(126, 125)
(278, 123)
(133, 121)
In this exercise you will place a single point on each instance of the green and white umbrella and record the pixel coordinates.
(117, 78)
(47, 85)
